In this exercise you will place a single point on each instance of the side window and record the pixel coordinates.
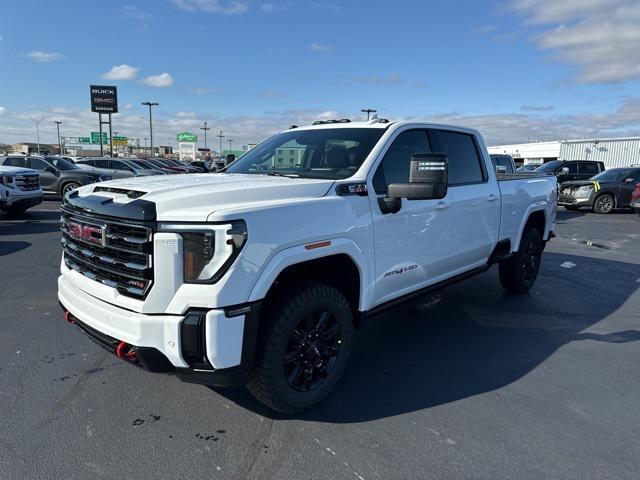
(465, 164)
(394, 167)
(15, 162)
(38, 164)
(573, 168)
(101, 163)
(117, 165)
(588, 168)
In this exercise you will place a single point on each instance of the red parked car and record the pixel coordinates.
(635, 199)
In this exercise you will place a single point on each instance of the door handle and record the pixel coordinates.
(441, 205)
(492, 198)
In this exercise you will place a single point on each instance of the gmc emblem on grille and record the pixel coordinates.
(88, 233)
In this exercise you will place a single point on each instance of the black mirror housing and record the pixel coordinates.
(428, 178)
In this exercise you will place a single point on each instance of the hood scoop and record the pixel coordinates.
(120, 191)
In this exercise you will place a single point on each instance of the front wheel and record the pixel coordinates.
(309, 339)
(519, 273)
(67, 187)
(604, 204)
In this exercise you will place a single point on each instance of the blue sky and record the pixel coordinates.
(515, 69)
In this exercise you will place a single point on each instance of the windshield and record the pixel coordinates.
(611, 175)
(549, 167)
(332, 153)
(62, 163)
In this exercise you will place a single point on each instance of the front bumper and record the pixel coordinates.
(571, 201)
(636, 206)
(22, 201)
(210, 346)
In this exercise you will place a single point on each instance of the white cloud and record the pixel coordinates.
(44, 57)
(160, 81)
(185, 114)
(2, 109)
(330, 7)
(203, 90)
(226, 7)
(536, 108)
(1, 38)
(141, 20)
(599, 37)
(274, 7)
(318, 47)
(121, 72)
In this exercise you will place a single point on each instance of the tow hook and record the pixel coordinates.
(125, 351)
(68, 317)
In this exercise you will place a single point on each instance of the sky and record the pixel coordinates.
(518, 70)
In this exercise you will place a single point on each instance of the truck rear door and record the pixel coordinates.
(475, 195)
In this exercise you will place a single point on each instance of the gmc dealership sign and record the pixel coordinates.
(104, 99)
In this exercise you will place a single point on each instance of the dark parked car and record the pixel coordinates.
(503, 163)
(604, 192)
(119, 164)
(202, 165)
(566, 170)
(147, 165)
(58, 175)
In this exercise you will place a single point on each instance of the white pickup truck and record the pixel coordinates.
(261, 274)
(19, 189)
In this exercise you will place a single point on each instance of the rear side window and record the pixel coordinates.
(38, 164)
(465, 165)
(15, 162)
(589, 168)
(101, 163)
(394, 167)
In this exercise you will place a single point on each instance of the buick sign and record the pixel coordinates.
(104, 99)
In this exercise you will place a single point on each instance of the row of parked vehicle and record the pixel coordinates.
(585, 183)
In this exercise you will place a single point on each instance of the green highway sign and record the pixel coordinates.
(84, 140)
(187, 137)
(95, 138)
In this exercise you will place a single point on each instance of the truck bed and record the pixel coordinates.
(505, 177)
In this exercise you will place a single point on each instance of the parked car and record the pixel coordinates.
(19, 189)
(566, 170)
(635, 199)
(177, 163)
(201, 164)
(503, 163)
(158, 163)
(262, 278)
(529, 167)
(119, 165)
(602, 193)
(147, 166)
(58, 176)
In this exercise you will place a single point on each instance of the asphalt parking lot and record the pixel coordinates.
(468, 383)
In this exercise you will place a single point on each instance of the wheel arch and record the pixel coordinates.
(536, 218)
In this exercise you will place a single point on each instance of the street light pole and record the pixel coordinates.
(368, 111)
(150, 104)
(220, 136)
(58, 123)
(205, 128)
(37, 133)
(230, 141)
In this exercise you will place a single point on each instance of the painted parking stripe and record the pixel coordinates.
(568, 265)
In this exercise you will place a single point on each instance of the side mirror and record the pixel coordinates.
(501, 169)
(563, 171)
(428, 178)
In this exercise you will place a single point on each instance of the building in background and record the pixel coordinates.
(614, 152)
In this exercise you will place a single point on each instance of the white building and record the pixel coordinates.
(614, 152)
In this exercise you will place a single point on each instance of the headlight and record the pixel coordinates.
(6, 180)
(584, 191)
(208, 249)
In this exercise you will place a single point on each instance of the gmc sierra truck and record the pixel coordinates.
(19, 189)
(261, 274)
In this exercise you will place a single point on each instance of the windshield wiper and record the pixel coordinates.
(278, 174)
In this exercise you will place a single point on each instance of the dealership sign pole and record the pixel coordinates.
(104, 100)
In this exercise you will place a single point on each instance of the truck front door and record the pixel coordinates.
(412, 246)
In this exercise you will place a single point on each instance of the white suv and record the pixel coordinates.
(19, 189)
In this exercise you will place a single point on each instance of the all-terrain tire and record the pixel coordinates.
(519, 272)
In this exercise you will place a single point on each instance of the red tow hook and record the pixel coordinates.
(68, 317)
(124, 350)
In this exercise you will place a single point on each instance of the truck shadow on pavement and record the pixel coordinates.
(472, 338)
(7, 248)
(29, 223)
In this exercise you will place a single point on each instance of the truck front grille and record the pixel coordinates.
(28, 182)
(114, 253)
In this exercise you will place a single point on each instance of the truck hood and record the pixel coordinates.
(581, 183)
(194, 197)
(6, 170)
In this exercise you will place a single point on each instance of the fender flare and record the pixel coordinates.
(540, 206)
(299, 254)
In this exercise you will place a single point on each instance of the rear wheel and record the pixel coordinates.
(519, 272)
(305, 350)
(604, 204)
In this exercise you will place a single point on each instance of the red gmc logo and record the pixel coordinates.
(88, 233)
